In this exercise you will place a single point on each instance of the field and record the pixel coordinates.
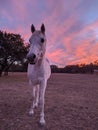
(71, 103)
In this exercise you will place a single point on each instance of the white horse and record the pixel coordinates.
(38, 69)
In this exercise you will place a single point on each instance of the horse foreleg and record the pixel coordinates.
(42, 101)
(31, 112)
(36, 96)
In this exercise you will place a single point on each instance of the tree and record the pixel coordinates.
(11, 49)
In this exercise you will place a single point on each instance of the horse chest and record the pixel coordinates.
(35, 74)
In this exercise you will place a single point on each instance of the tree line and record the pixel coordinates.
(79, 68)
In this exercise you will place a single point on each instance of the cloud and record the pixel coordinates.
(71, 26)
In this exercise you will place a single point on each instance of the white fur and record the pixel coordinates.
(38, 73)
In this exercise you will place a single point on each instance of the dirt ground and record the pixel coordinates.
(71, 103)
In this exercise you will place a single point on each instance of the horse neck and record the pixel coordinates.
(41, 62)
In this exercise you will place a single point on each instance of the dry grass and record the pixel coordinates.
(71, 103)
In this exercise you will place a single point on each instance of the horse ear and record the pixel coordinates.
(43, 29)
(32, 28)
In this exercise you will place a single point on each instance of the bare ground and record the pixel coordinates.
(71, 103)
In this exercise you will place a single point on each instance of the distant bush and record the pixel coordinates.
(82, 68)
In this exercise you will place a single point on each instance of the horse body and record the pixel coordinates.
(38, 69)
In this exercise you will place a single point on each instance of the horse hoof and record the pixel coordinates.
(42, 123)
(31, 112)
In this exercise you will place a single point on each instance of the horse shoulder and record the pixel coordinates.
(47, 68)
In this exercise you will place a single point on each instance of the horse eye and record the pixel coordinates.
(42, 40)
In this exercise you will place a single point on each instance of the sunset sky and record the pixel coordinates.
(71, 26)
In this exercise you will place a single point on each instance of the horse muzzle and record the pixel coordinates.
(31, 58)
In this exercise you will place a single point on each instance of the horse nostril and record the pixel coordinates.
(34, 56)
(31, 57)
